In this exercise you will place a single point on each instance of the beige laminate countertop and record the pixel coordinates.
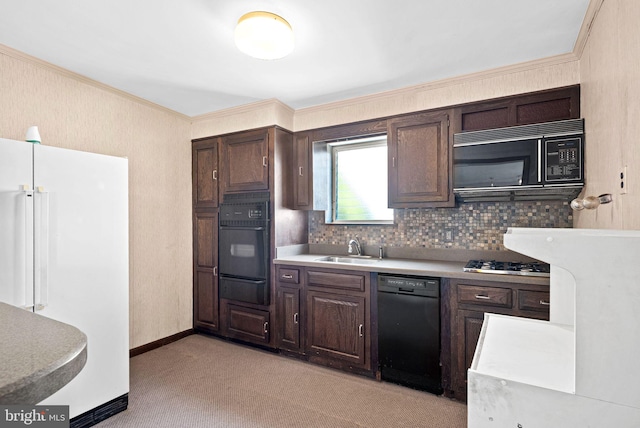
(434, 268)
(38, 355)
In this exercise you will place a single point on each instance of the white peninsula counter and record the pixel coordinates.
(580, 368)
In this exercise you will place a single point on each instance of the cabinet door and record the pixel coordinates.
(245, 161)
(288, 301)
(205, 275)
(247, 324)
(523, 109)
(419, 164)
(335, 327)
(205, 173)
(469, 324)
(302, 175)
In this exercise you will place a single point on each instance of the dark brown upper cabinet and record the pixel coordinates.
(524, 109)
(303, 173)
(419, 160)
(205, 173)
(244, 162)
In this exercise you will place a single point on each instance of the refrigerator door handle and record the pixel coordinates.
(42, 250)
(27, 295)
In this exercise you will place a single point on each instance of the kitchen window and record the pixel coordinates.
(359, 181)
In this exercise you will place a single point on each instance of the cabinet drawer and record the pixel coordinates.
(248, 324)
(353, 282)
(289, 275)
(485, 296)
(533, 300)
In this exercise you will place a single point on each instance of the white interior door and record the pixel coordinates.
(81, 267)
(16, 219)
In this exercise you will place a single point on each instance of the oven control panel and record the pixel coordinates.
(244, 211)
(255, 213)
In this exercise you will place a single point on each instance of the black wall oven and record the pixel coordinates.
(244, 248)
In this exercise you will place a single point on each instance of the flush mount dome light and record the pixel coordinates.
(264, 35)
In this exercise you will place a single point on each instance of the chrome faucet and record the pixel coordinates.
(355, 243)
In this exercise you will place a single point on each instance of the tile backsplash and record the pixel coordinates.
(469, 226)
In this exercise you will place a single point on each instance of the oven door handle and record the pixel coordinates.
(256, 228)
(241, 279)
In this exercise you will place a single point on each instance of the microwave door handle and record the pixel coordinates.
(540, 161)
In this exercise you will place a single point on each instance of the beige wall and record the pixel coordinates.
(610, 79)
(74, 114)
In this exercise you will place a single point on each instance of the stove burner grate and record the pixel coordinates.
(508, 268)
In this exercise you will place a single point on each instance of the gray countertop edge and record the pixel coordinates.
(39, 356)
(432, 268)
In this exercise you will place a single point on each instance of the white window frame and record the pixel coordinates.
(351, 144)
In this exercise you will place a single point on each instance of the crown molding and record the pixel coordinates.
(589, 18)
(437, 84)
(21, 56)
(243, 109)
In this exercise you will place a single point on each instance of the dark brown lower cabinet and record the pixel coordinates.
(469, 301)
(247, 324)
(470, 322)
(289, 314)
(338, 319)
(288, 310)
(336, 327)
(206, 300)
(205, 278)
(324, 315)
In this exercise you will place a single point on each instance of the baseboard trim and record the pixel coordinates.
(159, 343)
(100, 413)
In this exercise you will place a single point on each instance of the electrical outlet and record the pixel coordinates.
(624, 181)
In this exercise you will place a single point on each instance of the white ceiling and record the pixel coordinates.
(181, 54)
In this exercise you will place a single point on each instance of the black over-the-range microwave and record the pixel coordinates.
(530, 162)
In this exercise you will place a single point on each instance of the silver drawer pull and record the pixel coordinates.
(361, 330)
(266, 327)
(543, 303)
(264, 161)
(287, 276)
(214, 174)
(300, 171)
(295, 318)
(481, 297)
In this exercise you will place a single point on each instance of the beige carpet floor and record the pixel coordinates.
(201, 381)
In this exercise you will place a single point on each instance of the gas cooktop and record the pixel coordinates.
(507, 268)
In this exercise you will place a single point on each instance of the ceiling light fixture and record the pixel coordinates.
(264, 35)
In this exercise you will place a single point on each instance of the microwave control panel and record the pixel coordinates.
(563, 160)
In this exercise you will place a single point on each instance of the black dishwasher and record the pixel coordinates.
(409, 331)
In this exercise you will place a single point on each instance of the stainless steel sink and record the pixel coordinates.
(361, 260)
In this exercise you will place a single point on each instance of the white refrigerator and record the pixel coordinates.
(64, 254)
